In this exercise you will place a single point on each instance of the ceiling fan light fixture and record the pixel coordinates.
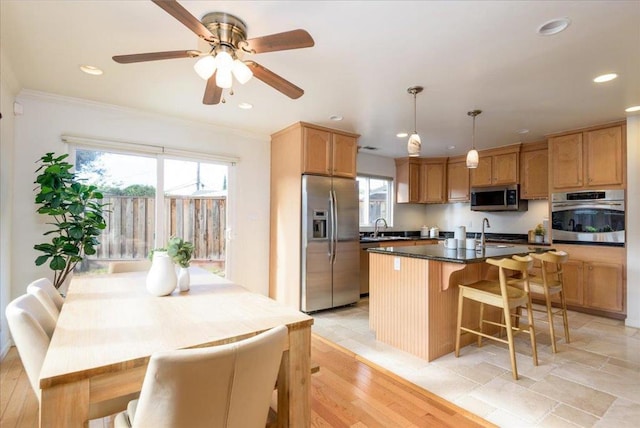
(224, 79)
(241, 72)
(205, 67)
(414, 144)
(472, 155)
(224, 60)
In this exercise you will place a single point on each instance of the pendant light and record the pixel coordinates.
(472, 156)
(414, 143)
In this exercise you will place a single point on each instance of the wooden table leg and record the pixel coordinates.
(65, 405)
(294, 380)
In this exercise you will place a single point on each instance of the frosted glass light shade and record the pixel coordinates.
(224, 60)
(205, 67)
(241, 72)
(472, 159)
(223, 78)
(413, 145)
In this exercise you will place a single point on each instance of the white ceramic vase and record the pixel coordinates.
(161, 279)
(183, 279)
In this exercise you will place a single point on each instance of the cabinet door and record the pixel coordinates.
(414, 182)
(603, 286)
(317, 151)
(457, 182)
(482, 175)
(505, 168)
(432, 183)
(345, 151)
(572, 282)
(534, 181)
(566, 161)
(604, 157)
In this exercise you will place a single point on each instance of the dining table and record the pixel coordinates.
(110, 325)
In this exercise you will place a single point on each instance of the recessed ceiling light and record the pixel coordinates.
(605, 78)
(451, 147)
(335, 117)
(245, 106)
(90, 69)
(632, 109)
(402, 135)
(554, 26)
(522, 131)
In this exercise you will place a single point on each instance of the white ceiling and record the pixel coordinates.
(467, 55)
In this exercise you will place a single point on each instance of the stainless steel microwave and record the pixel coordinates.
(497, 198)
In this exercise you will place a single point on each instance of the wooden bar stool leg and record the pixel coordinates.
(552, 330)
(564, 317)
(480, 327)
(512, 349)
(532, 332)
(459, 322)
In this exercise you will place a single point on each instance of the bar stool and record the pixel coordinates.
(501, 295)
(551, 283)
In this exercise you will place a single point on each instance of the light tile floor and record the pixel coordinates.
(592, 382)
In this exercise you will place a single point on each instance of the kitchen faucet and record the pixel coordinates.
(482, 238)
(375, 228)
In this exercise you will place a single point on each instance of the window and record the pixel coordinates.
(376, 199)
(153, 197)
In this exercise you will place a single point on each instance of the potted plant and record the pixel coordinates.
(540, 232)
(75, 212)
(180, 252)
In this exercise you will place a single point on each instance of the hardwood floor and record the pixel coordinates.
(346, 392)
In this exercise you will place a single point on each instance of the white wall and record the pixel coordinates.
(8, 89)
(448, 216)
(633, 224)
(47, 117)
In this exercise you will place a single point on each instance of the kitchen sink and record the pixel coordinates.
(384, 238)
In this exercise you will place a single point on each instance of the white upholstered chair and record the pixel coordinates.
(46, 301)
(221, 386)
(47, 286)
(129, 266)
(25, 316)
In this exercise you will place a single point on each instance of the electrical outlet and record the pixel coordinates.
(470, 225)
(396, 263)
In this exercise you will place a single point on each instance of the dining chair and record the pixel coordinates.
(129, 266)
(550, 283)
(45, 300)
(220, 386)
(25, 317)
(506, 297)
(47, 286)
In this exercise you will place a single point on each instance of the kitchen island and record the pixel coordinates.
(413, 294)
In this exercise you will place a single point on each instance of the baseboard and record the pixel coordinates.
(5, 349)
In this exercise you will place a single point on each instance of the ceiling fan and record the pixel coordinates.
(227, 38)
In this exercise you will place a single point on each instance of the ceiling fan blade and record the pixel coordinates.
(275, 81)
(174, 9)
(154, 56)
(294, 39)
(212, 94)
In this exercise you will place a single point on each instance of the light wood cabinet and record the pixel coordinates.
(420, 180)
(534, 171)
(457, 180)
(497, 166)
(588, 159)
(301, 148)
(594, 279)
(328, 152)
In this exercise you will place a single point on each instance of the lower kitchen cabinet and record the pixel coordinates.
(594, 279)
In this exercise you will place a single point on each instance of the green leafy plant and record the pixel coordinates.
(540, 230)
(76, 214)
(153, 250)
(180, 251)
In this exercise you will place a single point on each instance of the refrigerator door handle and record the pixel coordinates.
(332, 219)
(335, 226)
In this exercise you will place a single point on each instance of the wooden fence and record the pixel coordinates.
(131, 220)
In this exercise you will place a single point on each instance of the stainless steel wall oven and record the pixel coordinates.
(588, 217)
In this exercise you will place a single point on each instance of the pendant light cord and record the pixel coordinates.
(415, 131)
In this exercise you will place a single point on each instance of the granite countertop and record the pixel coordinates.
(441, 254)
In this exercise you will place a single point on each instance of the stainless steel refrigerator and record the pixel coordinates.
(330, 243)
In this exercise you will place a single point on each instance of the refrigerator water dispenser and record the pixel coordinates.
(319, 224)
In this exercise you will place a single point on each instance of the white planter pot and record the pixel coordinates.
(183, 279)
(161, 279)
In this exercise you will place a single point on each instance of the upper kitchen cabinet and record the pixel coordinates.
(497, 166)
(588, 159)
(457, 180)
(534, 167)
(421, 180)
(328, 152)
